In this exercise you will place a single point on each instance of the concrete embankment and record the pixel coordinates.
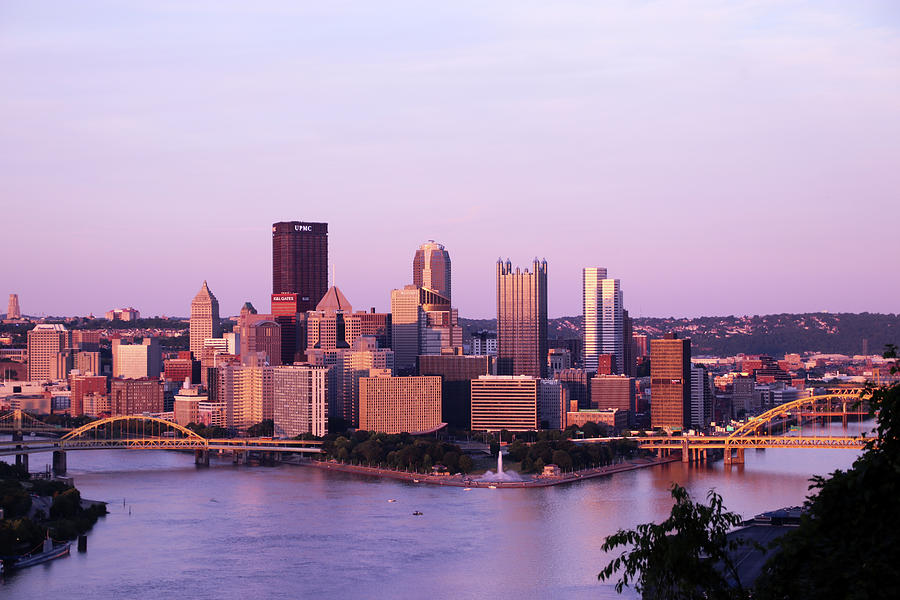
(466, 481)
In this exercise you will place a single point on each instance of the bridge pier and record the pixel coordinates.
(238, 457)
(201, 458)
(59, 462)
(22, 461)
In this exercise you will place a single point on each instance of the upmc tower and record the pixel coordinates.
(300, 261)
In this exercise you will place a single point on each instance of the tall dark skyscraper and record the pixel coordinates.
(431, 268)
(522, 320)
(300, 261)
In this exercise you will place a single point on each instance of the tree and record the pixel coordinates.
(686, 556)
(465, 463)
(562, 459)
(848, 542)
(264, 428)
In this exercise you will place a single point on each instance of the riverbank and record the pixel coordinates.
(467, 481)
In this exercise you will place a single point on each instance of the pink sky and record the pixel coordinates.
(717, 157)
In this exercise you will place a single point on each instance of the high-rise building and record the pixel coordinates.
(328, 327)
(300, 400)
(135, 396)
(522, 320)
(86, 339)
(45, 342)
(300, 261)
(361, 361)
(247, 392)
(629, 350)
(399, 404)
(559, 359)
(431, 268)
(670, 382)
(576, 382)
(456, 373)
(407, 321)
(377, 325)
(286, 312)
(204, 319)
(505, 402)
(603, 319)
(552, 401)
(591, 278)
(186, 404)
(701, 397)
(613, 391)
(135, 361)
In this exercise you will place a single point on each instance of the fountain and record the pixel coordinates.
(500, 475)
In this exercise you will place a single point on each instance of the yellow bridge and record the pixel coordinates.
(758, 431)
(138, 432)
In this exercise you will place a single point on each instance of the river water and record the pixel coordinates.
(292, 532)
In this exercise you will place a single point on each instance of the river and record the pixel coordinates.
(292, 532)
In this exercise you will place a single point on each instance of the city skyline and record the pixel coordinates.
(739, 135)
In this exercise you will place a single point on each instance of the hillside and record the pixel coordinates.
(840, 333)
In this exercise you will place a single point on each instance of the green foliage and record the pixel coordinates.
(14, 499)
(19, 535)
(44, 487)
(396, 451)
(13, 472)
(209, 432)
(684, 557)
(262, 429)
(848, 543)
(567, 454)
(66, 504)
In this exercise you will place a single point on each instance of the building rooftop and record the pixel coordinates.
(333, 301)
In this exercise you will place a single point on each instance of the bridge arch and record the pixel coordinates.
(161, 424)
(759, 421)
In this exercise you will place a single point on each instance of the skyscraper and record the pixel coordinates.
(603, 319)
(591, 278)
(407, 321)
(300, 261)
(431, 268)
(670, 382)
(522, 319)
(45, 342)
(13, 311)
(204, 319)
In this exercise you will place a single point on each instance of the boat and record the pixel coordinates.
(493, 487)
(49, 551)
(415, 481)
(467, 489)
(417, 513)
(391, 500)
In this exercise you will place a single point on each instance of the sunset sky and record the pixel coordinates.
(717, 157)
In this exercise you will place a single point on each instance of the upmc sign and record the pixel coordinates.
(302, 227)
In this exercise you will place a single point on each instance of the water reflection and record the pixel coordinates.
(288, 532)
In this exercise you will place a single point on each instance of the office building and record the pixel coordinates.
(456, 373)
(45, 342)
(86, 339)
(12, 311)
(591, 278)
(603, 319)
(522, 320)
(559, 359)
(505, 402)
(300, 400)
(181, 367)
(742, 398)
(82, 386)
(611, 417)
(135, 361)
(300, 262)
(205, 321)
(701, 397)
(670, 382)
(400, 404)
(286, 312)
(86, 362)
(614, 391)
(361, 361)
(577, 384)
(484, 343)
(186, 405)
(431, 268)
(376, 325)
(407, 321)
(135, 396)
(552, 404)
(330, 326)
(247, 392)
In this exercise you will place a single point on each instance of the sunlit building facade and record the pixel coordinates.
(522, 319)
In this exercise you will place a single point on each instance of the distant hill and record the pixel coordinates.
(838, 333)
